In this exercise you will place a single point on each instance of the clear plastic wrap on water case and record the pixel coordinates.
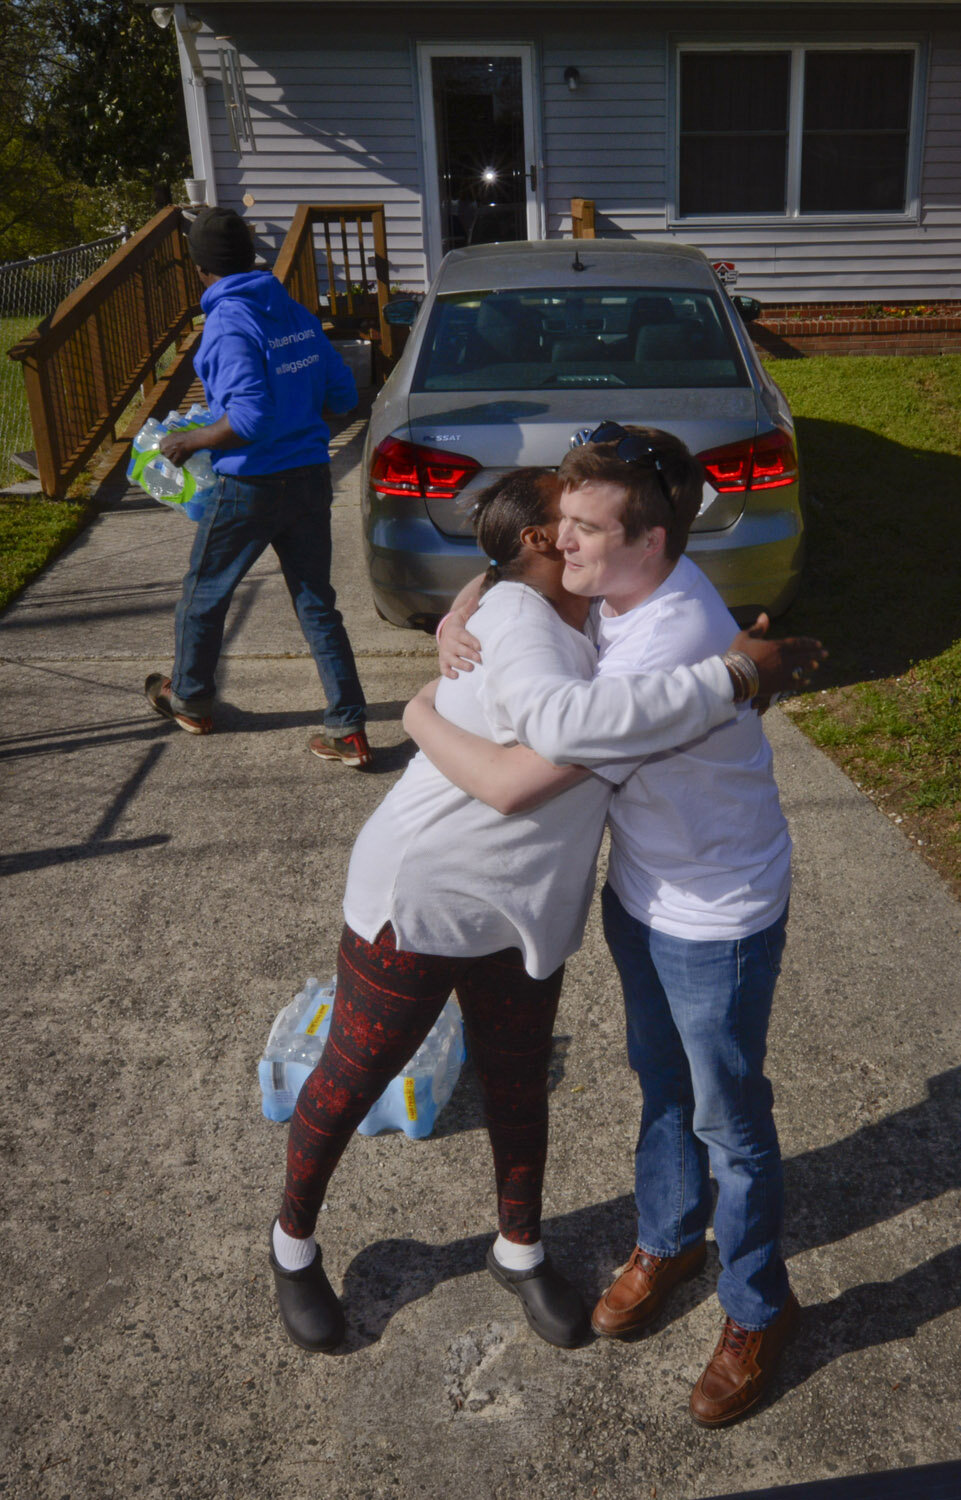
(411, 1102)
(186, 488)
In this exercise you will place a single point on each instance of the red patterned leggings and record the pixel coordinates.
(387, 1001)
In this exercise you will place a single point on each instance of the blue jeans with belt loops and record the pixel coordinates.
(697, 1017)
(289, 511)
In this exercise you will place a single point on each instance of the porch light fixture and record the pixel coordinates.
(489, 174)
(572, 78)
(162, 15)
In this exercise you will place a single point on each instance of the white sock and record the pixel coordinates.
(517, 1257)
(291, 1254)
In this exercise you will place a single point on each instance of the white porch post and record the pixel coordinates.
(195, 104)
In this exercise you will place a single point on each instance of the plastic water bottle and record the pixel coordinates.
(205, 477)
(187, 487)
(412, 1101)
(199, 465)
(293, 1048)
(162, 479)
(148, 438)
(146, 443)
(159, 478)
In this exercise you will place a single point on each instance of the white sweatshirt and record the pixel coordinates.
(453, 876)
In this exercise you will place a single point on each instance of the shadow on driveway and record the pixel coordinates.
(869, 1177)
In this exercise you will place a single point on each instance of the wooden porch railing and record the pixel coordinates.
(582, 218)
(352, 248)
(84, 365)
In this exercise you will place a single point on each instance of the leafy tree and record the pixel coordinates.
(92, 131)
(117, 101)
(36, 204)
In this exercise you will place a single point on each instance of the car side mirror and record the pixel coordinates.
(402, 312)
(749, 307)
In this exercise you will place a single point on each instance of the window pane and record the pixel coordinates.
(733, 132)
(559, 338)
(857, 90)
(856, 126)
(478, 113)
(723, 91)
(734, 175)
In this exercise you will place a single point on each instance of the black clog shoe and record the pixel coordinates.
(309, 1308)
(551, 1305)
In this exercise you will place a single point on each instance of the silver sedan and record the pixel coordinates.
(518, 347)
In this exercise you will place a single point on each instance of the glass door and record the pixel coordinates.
(481, 159)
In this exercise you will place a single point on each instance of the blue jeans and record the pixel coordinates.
(697, 1018)
(290, 512)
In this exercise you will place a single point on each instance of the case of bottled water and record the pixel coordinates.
(293, 1048)
(187, 488)
(411, 1102)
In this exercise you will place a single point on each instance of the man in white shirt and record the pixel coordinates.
(694, 911)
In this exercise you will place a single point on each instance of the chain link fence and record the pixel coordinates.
(30, 290)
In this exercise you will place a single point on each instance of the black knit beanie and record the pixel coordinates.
(219, 242)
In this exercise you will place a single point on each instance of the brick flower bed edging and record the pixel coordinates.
(791, 332)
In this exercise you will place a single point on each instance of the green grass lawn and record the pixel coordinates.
(880, 441)
(15, 433)
(32, 530)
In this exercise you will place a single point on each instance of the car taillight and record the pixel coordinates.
(761, 463)
(775, 461)
(421, 473)
(728, 468)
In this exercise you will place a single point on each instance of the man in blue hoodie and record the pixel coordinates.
(268, 371)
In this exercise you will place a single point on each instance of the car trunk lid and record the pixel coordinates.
(527, 427)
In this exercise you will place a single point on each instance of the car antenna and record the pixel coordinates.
(577, 264)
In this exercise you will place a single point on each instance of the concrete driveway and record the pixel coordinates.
(164, 896)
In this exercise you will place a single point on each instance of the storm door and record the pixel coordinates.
(482, 170)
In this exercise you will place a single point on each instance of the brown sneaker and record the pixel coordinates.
(640, 1290)
(157, 689)
(741, 1368)
(350, 749)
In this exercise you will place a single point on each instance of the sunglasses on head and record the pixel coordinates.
(630, 449)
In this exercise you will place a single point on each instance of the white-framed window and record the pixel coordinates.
(795, 130)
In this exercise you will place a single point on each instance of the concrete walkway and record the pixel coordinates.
(164, 896)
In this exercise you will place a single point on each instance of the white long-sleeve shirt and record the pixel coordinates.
(453, 876)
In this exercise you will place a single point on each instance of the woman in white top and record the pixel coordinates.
(444, 893)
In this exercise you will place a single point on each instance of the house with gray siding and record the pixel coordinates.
(813, 149)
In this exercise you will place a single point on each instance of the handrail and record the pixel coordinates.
(582, 218)
(84, 364)
(296, 265)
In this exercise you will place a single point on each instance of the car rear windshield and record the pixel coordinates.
(552, 339)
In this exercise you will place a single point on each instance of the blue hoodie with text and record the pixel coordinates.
(265, 361)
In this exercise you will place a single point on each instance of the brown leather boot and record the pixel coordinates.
(741, 1368)
(640, 1289)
